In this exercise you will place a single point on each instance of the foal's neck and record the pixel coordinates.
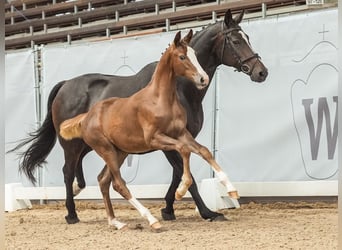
(164, 79)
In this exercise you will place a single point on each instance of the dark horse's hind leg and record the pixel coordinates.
(79, 174)
(168, 212)
(71, 163)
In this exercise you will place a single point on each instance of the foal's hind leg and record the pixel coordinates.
(114, 159)
(104, 179)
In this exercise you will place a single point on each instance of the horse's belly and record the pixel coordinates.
(130, 141)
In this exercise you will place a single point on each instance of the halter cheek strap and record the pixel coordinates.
(242, 62)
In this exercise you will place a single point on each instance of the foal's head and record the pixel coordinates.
(184, 61)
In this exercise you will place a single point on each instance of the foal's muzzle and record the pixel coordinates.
(201, 80)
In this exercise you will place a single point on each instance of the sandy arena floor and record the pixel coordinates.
(253, 226)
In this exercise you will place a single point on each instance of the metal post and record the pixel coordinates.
(75, 9)
(167, 24)
(214, 16)
(38, 104)
(24, 6)
(263, 10)
(125, 29)
(31, 30)
(43, 14)
(107, 32)
(89, 6)
(69, 39)
(80, 22)
(117, 16)
(174, 7)
(12, 20)
(45, 28)
(218, 1)
(125, 2)
(157, 8)
(215, 116)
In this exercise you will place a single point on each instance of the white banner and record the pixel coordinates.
(19, 107)
(284, 129)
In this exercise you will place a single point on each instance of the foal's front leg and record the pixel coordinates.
(206, 155)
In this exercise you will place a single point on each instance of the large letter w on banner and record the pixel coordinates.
(315, 135)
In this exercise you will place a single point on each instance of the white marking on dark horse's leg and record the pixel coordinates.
(75, 188)
(154, 223)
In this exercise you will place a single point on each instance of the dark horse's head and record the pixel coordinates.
(237, 51)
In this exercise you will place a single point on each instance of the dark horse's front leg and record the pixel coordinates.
(168, 212)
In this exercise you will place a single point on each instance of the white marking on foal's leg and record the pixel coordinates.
(223, 178)
(181, 190)
(114, 222)
(145, 213)
(75, 188)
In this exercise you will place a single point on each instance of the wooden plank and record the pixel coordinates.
(152, 20)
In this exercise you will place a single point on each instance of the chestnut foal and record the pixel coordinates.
(151, 119)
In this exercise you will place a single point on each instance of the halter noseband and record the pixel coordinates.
(242, 62)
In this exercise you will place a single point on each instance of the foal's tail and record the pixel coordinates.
(41, 142)
(71, 128)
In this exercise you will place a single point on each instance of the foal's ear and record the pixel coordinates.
(177, 39)
(188, 37)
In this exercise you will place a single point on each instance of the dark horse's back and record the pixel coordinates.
(80, 93)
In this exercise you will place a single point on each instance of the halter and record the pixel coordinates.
(242, 62)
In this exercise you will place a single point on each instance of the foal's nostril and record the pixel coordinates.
(202, 79)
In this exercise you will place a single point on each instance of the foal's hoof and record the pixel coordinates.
(157, 227)
(234, 195)
(72, 220)
(167, 216)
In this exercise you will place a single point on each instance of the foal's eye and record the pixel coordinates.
(182, 57)
(236, 42)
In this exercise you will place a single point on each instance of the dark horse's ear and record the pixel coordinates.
(229, 20)
(238, 18)
(188, 37)
(177, 39)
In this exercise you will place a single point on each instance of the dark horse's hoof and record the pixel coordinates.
(73, 220)
(167, 216)
(213, 216)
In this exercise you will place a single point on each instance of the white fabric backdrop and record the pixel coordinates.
(257, 135)
(262, 131)
(20, 107)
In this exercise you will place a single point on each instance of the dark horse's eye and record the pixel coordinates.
(182, 57)
(236, 42)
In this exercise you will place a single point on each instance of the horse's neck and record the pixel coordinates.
(204, 44)
(163, 82)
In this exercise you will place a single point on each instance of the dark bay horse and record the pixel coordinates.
(221, 43)
(151, 119)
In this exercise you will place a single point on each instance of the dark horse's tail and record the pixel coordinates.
(42, 141)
